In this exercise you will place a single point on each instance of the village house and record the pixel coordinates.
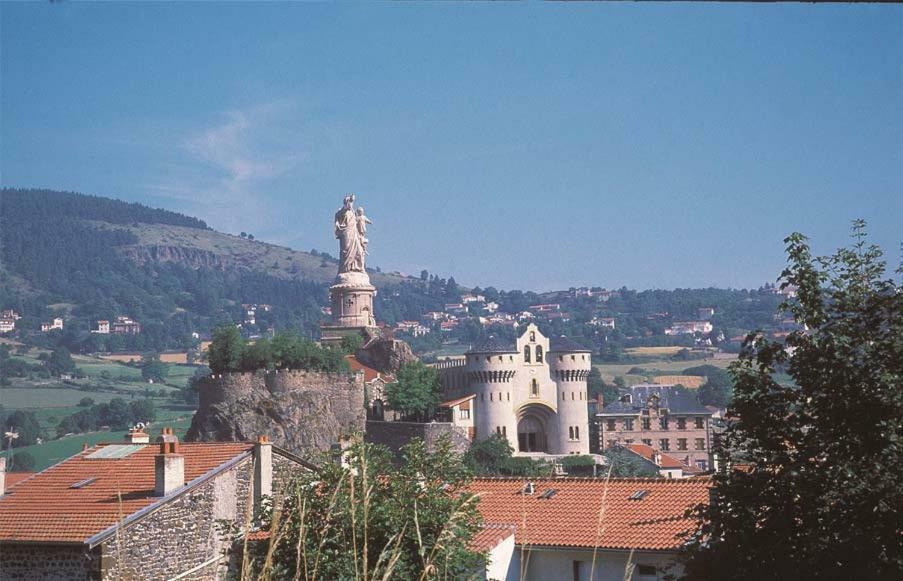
(10, 314)
(103, 327)
(667, 466)
(137, 510)
(705, 313)
(473, 299)
(689, 328)
(456, 309)
(586, 528)
(663, 417)
(545, 308)
(491, 307)
(56, 324)
(126, 326)
(375, 384)
(7, 325)
(604, 322)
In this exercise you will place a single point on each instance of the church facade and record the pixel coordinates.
(533, 393)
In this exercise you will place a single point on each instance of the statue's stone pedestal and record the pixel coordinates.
(352, 307)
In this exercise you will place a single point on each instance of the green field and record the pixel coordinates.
(33, 398)
(658, 367)
(53, 451)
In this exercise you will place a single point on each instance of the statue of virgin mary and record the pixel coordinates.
(351, 245)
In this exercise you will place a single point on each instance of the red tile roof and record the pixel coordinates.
(667, 462)
(369, 373)
(453, 402)
(45, 508)
(13, 478)
(490, 536)
(583, 514)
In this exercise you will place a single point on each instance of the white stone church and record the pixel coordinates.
(533, 393)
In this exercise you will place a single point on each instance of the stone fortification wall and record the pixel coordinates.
(394, 435)
(304, 412)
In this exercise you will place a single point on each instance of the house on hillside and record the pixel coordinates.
(689, 328)
(136, 510)
(667, 466)
(103, 327)
(55, 324)
(563, 531)
(126, 326)
(7, 325)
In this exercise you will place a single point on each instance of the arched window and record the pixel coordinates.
(539, 353)
(576, 432)
(532, 337)
(571, 432)
(526, 354)
(534, 388)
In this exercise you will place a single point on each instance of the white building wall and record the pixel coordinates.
(554, 564)
(572, 369)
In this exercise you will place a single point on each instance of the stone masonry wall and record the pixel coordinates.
(303, 412)
(46, 563)
(394, 435)
(183, 533)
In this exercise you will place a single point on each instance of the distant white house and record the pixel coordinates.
(689, 328)
(56, 324)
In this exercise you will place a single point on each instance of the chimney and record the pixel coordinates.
(2, 477)
(263, 468)
(137, 435)
(169, 465)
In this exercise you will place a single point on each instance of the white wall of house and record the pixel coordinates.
(499, 560)
(559, 564)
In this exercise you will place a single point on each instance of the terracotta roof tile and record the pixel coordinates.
(13, 478)
(369, 373)
(45, 507)
(571, 517)
(453, 402)
(490, 536)
(668, 462)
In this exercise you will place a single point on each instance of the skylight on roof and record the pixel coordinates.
(114, 451)
(83, 483)
(549, 493)
(638, 495)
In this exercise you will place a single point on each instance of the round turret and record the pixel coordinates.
(490, 367)
(570, 364)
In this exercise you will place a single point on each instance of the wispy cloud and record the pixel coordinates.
(226, 168)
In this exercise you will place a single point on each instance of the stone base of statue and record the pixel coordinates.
(351, 296)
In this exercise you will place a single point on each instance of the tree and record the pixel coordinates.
(596, 385)
(626, 464)
(365, 518)
(225, 350)
(60, 362)
(152, 369)
(352, 343)
(26, 425)
(821, 496)
(21, 462)
(424, 275)
(85, 402)
(717, 388)
(143, 410)
(415, 392)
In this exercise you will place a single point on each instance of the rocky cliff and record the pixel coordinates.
(304, 412)
(385, 354)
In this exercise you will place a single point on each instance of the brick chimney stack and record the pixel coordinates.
(263, 468)
(169, 465)
(2, 477)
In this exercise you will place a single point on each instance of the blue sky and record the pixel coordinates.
(516, 145)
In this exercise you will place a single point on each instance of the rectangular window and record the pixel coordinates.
(628, 441)
(681, 423)
(576, 432)
(609, 425)
(647, 424)
(700, 443)
(663, 423)
(700, 423)
(628, 424)
(664, 444)
(505, 431)
(464, 414)
(702, 464)
(681, 443)
(647, 441)
(646, 571)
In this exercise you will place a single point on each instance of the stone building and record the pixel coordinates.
(533, 392)
(668, 419)
(137, 510)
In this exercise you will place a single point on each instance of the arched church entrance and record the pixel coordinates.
(531, 434)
